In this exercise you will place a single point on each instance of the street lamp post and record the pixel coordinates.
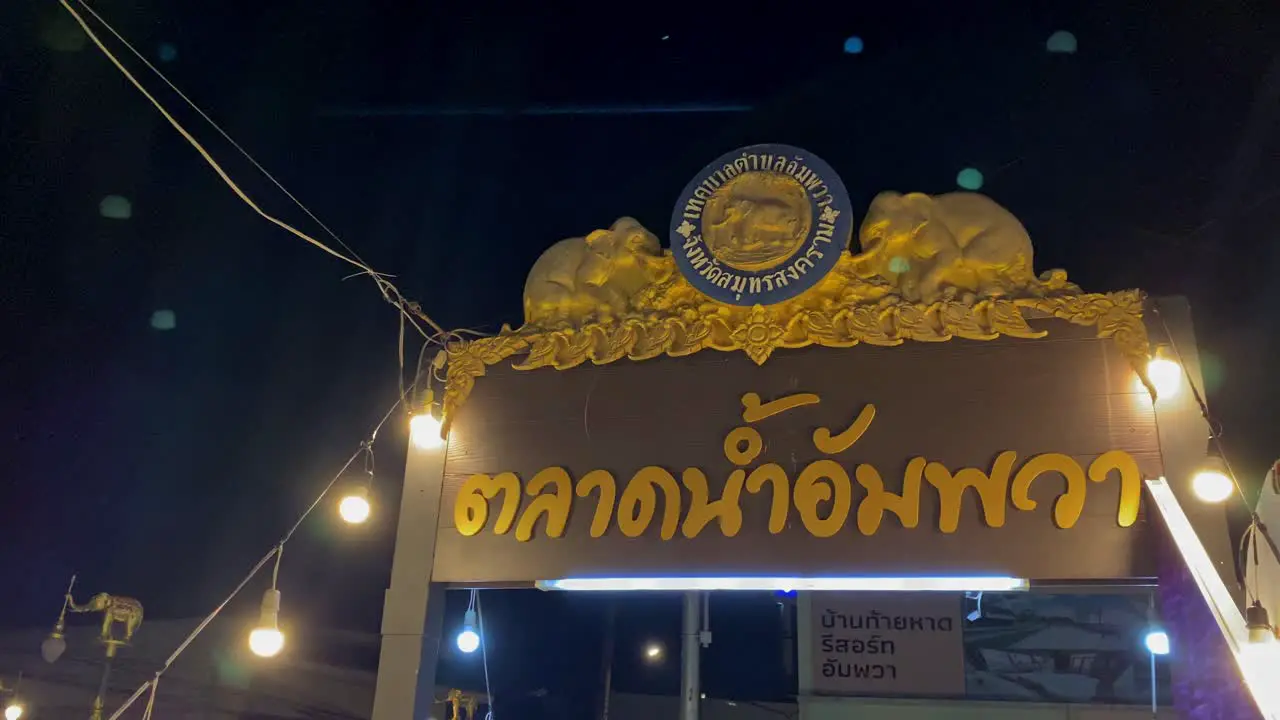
(459, 700)
(115, 610)
(13, 708)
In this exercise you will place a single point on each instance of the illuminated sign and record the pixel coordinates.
(1005, 459)
(823, 483)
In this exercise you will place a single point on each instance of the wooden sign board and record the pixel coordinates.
(821, 462)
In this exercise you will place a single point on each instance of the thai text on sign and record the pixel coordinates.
(821, 494)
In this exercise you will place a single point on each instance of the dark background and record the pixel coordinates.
(163, 464)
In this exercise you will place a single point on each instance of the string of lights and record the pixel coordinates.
(265, 639)
(484, 654)
(1217, 454)
(1215, 482)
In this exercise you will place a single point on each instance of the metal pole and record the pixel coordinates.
(1155, 709)
(102, 684)
(1151, 622)
(690, 649)
(788, 642)
(610, 621)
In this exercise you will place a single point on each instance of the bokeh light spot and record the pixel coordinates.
(1061, 42)
(164, 320)
(853, 45)
(60, 33)
(115, 207)
(1213, 370)
(970, 179)
(231, 671)
(167, 52)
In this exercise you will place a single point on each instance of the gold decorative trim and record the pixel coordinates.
(758, 331)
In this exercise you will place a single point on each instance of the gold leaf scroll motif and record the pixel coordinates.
(807, 320)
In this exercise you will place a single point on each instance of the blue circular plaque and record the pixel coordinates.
(760, 225)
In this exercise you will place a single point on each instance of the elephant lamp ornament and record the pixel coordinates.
(115, 609)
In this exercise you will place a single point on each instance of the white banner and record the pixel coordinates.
(886, 644)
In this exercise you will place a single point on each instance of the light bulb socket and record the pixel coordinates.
(426, 404)
(1258, 624)
(469, 620)
(1213, 461)
(270, 609)
(1256, 618)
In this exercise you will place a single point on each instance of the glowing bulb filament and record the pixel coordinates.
(424, 431)
(266, 640)
(354, 508)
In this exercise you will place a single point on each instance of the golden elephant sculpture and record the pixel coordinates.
(925, 245)
(114, 609)
(596, 277)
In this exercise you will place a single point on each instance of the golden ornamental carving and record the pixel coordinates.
(930, 269)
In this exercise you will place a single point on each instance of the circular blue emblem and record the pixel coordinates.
(760, 225)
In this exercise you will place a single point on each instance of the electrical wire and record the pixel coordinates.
(275, 552)
(411, 311)
(484, 652)
(1215, 437)
(190, 103)
(1243, 556)
(408, 310)
(767, 708)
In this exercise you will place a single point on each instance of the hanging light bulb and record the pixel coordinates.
(425, 430)
(1165, 374)
(354, 506)
(54, 645)
(1212, 481)
(468, 639)
(1157, 641)
(1259, 625)
(976, 614)
(266, 640)
(14, 709)
(653, 652)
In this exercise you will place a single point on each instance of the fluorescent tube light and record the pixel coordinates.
(1257, 663)
(787, 584)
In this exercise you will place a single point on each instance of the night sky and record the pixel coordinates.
(449, 144)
